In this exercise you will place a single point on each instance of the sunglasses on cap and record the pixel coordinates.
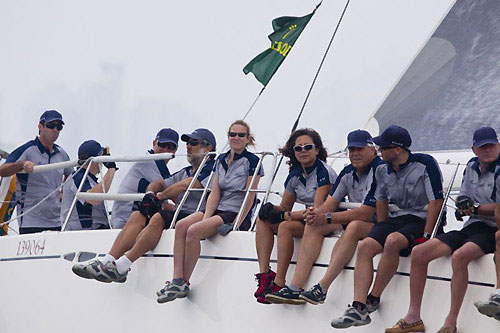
(54, 125)
(241, 135)
(168, 145)
(306, 147)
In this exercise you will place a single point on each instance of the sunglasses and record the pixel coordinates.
(241, 135)
(54, 125)
(168, 145)
(306, 147)
(195, 142)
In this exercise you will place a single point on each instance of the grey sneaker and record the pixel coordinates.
(491, 307)
(107, 273)
(352, 317)
(172, 291)
(314, 295)
(81, 270)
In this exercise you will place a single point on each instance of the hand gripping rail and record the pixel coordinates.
(102, 159)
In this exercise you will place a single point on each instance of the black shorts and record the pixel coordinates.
(33, 230)
(168, 215)
(410, 226)
(228, 218)
(478, 233)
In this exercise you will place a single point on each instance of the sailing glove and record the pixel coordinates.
(149, 205)
(276, 216)
(465, 205)
(264, 211)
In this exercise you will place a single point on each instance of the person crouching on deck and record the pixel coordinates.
(233, 174)
(309, 181)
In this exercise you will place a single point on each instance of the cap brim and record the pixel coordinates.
(379, 141)
(485, 142)
(48, 120)
(357, 144)
(166, 141)
(186, 137)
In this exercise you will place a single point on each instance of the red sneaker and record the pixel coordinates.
(264, 280)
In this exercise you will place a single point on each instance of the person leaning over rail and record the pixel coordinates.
(31, 188)
(411, 182)
(87, 214)
(144, 228)
(491, 307)
(309, 180)
(234, 171)
(475, 239)
(353, 182)
(141, 174)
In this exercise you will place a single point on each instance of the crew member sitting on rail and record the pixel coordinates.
(354, 182)
(137, 239)
(141, 174)
(474, 240)
(32, 188)
(309, 181)
(491, 307)
(87, 214)
(234, 172)
(411, 182)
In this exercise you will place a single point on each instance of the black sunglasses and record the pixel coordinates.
(53, 125)
(195, 142)
(306, 147)
(233, 134)
(168, 145)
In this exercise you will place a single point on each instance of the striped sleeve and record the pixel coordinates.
(339, 189)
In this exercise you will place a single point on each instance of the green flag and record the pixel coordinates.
(287, 30)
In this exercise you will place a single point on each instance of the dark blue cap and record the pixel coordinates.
(359, 138)
(393, 135)
(201, 134)
(88, 149)
(167, 135)
(51, 115)
(483, 136)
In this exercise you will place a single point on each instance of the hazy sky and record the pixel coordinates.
(120, 70)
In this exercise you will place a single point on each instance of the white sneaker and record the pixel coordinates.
(352, 317)
(172, 291)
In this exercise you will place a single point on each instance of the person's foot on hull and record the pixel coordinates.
(353, 316)
(264, 281)
(81, 269)
(403, 327)
(172, 291)
(491, 307)
(285, 295)
(315, 295)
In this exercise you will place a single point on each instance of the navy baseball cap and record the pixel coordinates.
(88, 149)
(167, 135)
(359, 138)
(393, 135)
(201, 134)
(483, 136)
(51, 115)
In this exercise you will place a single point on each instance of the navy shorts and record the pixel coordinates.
(228, 218)
(478, 233)
(410, 226)
(168, 215)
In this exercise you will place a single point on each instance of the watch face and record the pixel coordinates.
(328, 215)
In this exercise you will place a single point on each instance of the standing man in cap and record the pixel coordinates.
(475, 239)
(32, 188)
(413, 183)
(353, 182)
(144, 228)
(141, 174)
(87, 214)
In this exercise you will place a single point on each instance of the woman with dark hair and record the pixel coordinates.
(309, 181)
(233, 175)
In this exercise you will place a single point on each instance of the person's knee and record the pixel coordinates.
(368, 248)
(420, 255)
(395, 243)
(284, 230)
(136, 220)
(460, 258)
(497, 238)
(181, 228)
(192, 235)
(355, 229)
(156, 222)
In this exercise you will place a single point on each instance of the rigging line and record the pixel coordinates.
(254, 102)
(314, 81)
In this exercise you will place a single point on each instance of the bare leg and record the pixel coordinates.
(264, 242)
(181, 229)
(497, 257)
(196, 232)
(127, 236)
(287, 231)
(460, 262)
(421, 256)
(309, 250)
(389, 262)
(147, 239)
(363, 272)
(344, 250)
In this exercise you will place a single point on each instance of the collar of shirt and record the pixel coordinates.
(401, 166)
(491, 167)
(42, 148)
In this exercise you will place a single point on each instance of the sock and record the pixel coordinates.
(178, 281)
(107, 258)
(294, 288)
(372, 299)
(123, 264)
(359, 305)
(322, 288)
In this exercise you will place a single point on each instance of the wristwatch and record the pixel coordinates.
(476, 208)
(329, 217)
(427, 235)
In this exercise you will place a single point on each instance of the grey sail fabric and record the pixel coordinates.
(453, 85)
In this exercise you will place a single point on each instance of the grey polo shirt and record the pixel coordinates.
(417, 182)
(31, 188)
(84, 215)
(356, 187)
(233, 179)
(479, 187)
(194, 197)
(137, 179)
(304, 185)
(495, 196)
